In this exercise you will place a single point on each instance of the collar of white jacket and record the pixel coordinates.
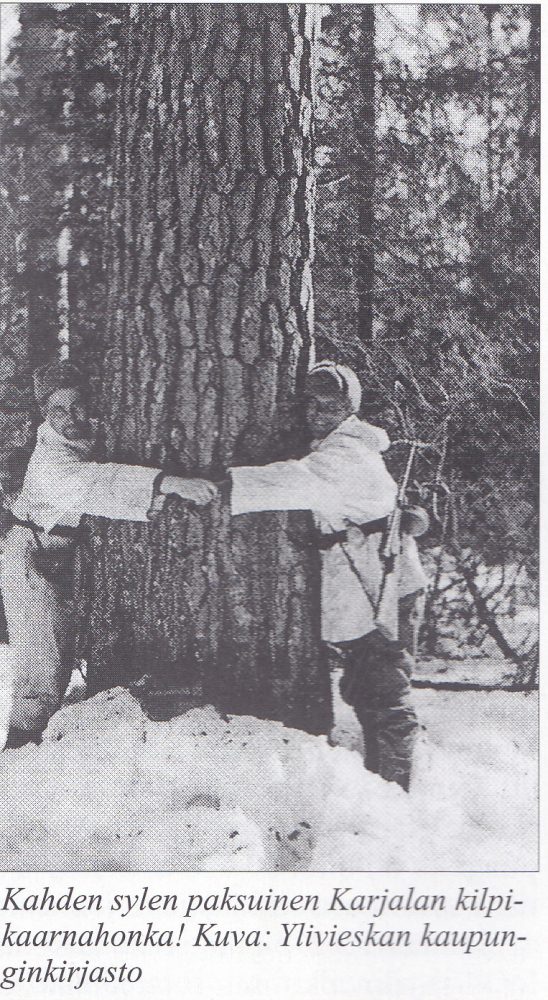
(374, 438)
(47, 436)
(346, 379)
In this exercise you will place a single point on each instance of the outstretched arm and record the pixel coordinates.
(317, 482)
(117, 491)
(137, 493)
(297, 484)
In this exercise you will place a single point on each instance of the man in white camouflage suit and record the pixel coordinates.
(62, 483)
(345, 483)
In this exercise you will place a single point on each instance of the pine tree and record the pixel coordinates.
(210, 328)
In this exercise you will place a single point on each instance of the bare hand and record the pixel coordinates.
(198, 491)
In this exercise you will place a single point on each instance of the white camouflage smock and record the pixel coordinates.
(344, 482)
(61, 485)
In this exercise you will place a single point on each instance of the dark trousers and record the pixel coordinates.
(376, 684)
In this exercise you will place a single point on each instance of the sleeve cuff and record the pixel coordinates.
(158, 499)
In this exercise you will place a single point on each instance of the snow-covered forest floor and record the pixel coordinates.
(110, 790)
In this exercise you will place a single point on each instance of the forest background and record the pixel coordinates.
(426, 164)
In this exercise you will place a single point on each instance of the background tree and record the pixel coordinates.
(57, 115)
(30, 158)
(38, 136)
(90, 80)
(454, 344)
(209, 328)
(346, 194)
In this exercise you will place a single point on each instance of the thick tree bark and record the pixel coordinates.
(210, 330)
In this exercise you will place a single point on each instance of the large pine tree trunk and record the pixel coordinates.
(210, 330)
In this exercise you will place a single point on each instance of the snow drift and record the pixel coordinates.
(110, 790)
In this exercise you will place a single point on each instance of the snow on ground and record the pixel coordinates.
(110, 790)
(474, 795)
(486, 671)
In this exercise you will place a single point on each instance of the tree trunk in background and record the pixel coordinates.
(210, 330)
(345, 278)
(56, 135)
(40, 58)
(29, 159)
(15, 390)
(92, 32)
(363, 166)
(31, 153)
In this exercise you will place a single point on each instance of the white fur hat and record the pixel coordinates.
(346, 379)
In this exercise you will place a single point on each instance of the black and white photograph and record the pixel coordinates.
(269, 407)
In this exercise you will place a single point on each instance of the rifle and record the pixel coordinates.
(390, 547)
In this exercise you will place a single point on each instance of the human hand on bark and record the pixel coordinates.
(198, 491)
